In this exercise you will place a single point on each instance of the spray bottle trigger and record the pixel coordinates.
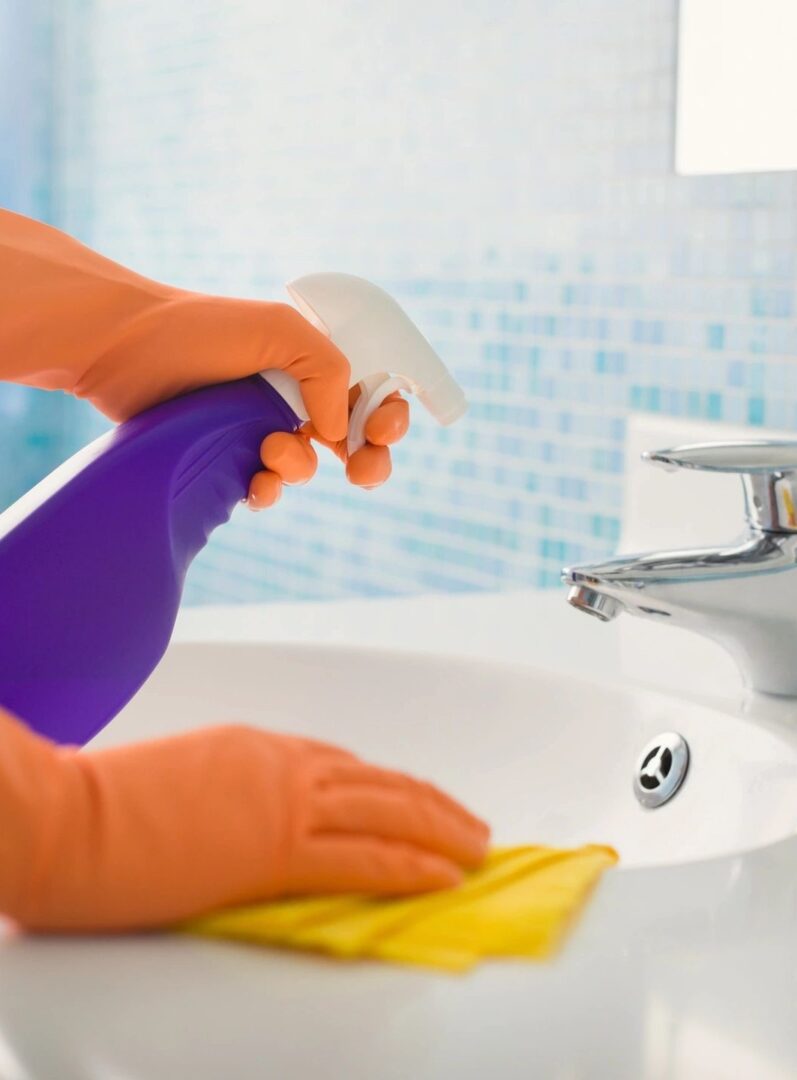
(374, 389)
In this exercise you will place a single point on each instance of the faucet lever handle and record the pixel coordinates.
(767, 468)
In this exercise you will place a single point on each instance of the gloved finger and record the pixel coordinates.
(347, 776)
(265, 489)
(389, 423)
(366, 864)
(323, 373)
(369, 466)
(412, 816)
(337, 446)
(290, 456)
(323, 753)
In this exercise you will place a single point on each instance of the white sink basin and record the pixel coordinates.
(680, 967)
(544, 757)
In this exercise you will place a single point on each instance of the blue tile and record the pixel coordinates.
(736, 373)
(715, 336)
(755, 410)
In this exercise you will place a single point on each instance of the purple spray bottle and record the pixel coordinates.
(93, 559)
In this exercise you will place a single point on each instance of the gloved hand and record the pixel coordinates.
(291, 459)
(73, 320)
(153, 833)
(146, 835)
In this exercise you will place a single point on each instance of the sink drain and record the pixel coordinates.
(661, 769)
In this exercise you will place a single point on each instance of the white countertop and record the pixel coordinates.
(527, 627)
(673, 972)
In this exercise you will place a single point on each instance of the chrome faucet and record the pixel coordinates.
(745, 595)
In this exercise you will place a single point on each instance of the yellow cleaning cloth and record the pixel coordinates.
(518, 904)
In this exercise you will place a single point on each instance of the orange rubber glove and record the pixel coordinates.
(73, 320)
(146, 835)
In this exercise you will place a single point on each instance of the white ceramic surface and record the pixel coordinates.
(543, 757)
(682, 966)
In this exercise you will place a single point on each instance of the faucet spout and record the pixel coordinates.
(592, 602)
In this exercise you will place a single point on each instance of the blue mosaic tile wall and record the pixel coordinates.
(505, 168)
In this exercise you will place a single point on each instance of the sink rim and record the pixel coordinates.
(770, 724)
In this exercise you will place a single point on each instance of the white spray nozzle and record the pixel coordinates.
(386, 350)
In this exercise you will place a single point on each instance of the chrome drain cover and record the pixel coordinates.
(661, 769)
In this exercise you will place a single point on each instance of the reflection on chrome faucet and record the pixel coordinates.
(737, 595)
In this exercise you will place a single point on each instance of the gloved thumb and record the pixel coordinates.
(320, 368)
